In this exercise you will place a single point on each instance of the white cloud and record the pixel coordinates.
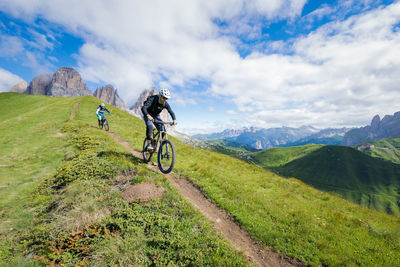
(130, 43)
(8, 80)
(10, 46)
(342, 73)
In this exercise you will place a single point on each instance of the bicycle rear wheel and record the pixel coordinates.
(106, 126)
(166, 156)
(146, 154)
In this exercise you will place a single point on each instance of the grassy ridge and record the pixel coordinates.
(293, 218)
(75, 214)
(278, 156)
(357, 177)
(387, 149)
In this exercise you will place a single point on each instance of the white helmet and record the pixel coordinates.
(165, 93)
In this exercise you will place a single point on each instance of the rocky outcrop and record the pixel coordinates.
(67, 82)
(39, 85)
(19, 87)
(388, 127)
(64, 82)
(108, 94)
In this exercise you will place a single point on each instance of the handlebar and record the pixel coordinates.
(164, 122)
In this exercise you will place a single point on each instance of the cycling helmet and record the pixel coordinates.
(165, 93)
(102, 104)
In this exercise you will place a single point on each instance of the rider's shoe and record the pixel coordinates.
(150, 147)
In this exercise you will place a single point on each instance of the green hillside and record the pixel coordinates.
(234, 149)
(357, 177)
(278, 156)
(387, 149)
(74, 191)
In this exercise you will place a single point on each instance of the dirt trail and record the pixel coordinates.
(72, 116)
(239, 238)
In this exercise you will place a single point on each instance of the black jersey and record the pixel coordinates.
(153, 107)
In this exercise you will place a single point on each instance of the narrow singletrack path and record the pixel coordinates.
(72, 116)
(238, 237)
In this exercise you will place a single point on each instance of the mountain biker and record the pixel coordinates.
(100, 112)
(151, 110)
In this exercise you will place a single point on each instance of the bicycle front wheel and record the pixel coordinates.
(146, 154)
(106, 126)
(166, 156)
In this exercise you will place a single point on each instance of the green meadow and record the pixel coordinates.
(77, 190)
(387, 149)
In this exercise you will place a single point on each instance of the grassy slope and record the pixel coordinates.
(237, 150)
(388, 149)
(31, 147)
(293, 218)
(81, 198)
(352, 174)
(278, 156)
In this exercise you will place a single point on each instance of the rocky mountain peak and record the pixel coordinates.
(375, 122)
(110, 95)
(67, 82)
(388, 127)
(39, 85)
(19, 87)
(64, 82)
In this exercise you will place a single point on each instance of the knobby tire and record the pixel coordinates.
(146, 154)
(166, 150)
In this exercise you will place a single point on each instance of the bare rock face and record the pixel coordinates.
(109, 94)
(64, 82)
(67, 82)
(388, 127)
(39, 85)
(19, 87)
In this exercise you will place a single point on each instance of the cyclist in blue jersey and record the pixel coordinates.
(100, 112)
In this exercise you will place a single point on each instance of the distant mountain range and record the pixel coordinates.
(260, 138)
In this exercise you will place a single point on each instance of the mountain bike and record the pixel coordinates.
(165, 148)
(103, 122)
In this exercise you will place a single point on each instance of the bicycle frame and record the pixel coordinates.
(157, 134)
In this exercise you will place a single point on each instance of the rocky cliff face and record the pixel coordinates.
(65, 82)
(68, 82)
(108, 94)
(388, 127)
(39, 85)
(19, 87)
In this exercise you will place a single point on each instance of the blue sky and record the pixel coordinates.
(228, 63)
